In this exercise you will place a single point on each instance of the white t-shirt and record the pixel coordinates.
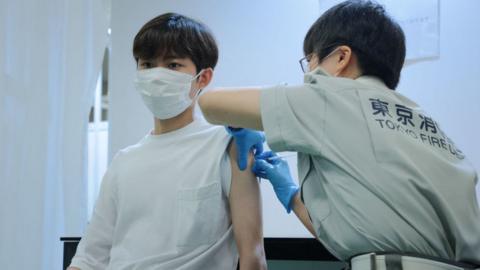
(377, 172)
(163, 204)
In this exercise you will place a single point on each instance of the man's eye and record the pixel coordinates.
(174, 65)
(146, 65)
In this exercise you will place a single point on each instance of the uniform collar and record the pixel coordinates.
(371, 81)
(309, 77)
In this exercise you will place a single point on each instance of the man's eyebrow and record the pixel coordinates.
(171, 57)
(146, 59)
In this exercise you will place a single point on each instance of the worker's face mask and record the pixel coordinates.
(165, 92)
(319, 69)
(324, 65)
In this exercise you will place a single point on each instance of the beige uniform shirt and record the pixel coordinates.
(377, 172)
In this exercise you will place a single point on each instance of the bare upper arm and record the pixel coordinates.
(246, 209)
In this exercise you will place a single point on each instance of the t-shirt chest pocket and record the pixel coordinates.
(198, 214)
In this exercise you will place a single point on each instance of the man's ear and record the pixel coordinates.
(313, 61)
(205, 78)
(343, 60)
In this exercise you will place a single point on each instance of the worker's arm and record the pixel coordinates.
(301, 212)
(235, 107)
(246, 212)
(293, 117)
(270, 166)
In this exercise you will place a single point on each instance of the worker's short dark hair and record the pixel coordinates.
(175, 35)
(375, 38)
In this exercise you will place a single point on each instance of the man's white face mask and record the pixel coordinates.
(165, 92)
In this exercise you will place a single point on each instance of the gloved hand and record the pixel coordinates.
(246, 140)
(270, 166)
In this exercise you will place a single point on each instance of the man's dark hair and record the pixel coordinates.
(175, 35)
(376, 40)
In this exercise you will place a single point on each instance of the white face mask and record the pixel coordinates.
(165, 92)
(319, 69)
(310, 76)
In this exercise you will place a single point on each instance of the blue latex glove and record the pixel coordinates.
(270, 166)
(246, 140)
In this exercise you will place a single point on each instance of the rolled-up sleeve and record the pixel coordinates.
(293, 118)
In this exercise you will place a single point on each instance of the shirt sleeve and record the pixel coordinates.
(93, 251)
(293, 118)
(226, 173)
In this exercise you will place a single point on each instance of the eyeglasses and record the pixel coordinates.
(304, 63)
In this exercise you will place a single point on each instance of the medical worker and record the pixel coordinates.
(384, 186)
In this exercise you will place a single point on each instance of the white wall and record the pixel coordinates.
(260, 44)
(449, 87)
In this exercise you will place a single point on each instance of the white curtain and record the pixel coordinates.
(50, 57)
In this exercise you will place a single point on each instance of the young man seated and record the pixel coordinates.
(177, 199)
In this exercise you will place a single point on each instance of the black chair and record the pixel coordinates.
(295, 249)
